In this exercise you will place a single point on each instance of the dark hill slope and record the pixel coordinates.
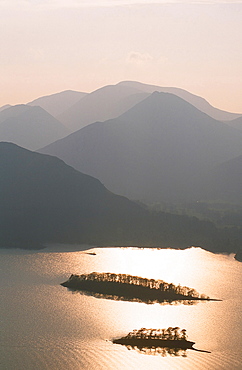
(44, 200)
(56, 104)
(30, 127)
(223, 184)
(153, 151)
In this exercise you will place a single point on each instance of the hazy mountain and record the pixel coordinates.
(101, 105)
(13, 111)
(4, 107)
(223, 183)
(113, 100)
(44, 200)
(56, 104)
(197, 101)
(152, 152)
(236, 123)
(30, 127)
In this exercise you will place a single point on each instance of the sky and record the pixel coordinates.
(48, 46)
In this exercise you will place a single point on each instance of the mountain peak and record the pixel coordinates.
(153, 151)
(199, 102)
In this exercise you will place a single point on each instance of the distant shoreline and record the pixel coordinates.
(66, 248)
(49, 248)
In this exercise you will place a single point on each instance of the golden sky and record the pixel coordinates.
(49, 46)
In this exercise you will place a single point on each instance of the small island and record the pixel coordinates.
(171, 337)
(152, 341)
(131, 288)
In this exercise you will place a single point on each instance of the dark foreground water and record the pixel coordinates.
(45, 326)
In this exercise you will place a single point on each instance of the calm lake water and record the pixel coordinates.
(45, 326)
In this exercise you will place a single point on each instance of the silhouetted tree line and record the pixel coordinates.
(132, 286)
(164, 334)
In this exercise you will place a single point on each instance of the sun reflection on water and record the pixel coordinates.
(193, 267)
(61, 325)
(185, 267)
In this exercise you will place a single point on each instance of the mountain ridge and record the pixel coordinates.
(111, 101)
(157, 147)
(199, 102)
(57, 103)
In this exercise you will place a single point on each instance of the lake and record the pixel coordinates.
(46, 326)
